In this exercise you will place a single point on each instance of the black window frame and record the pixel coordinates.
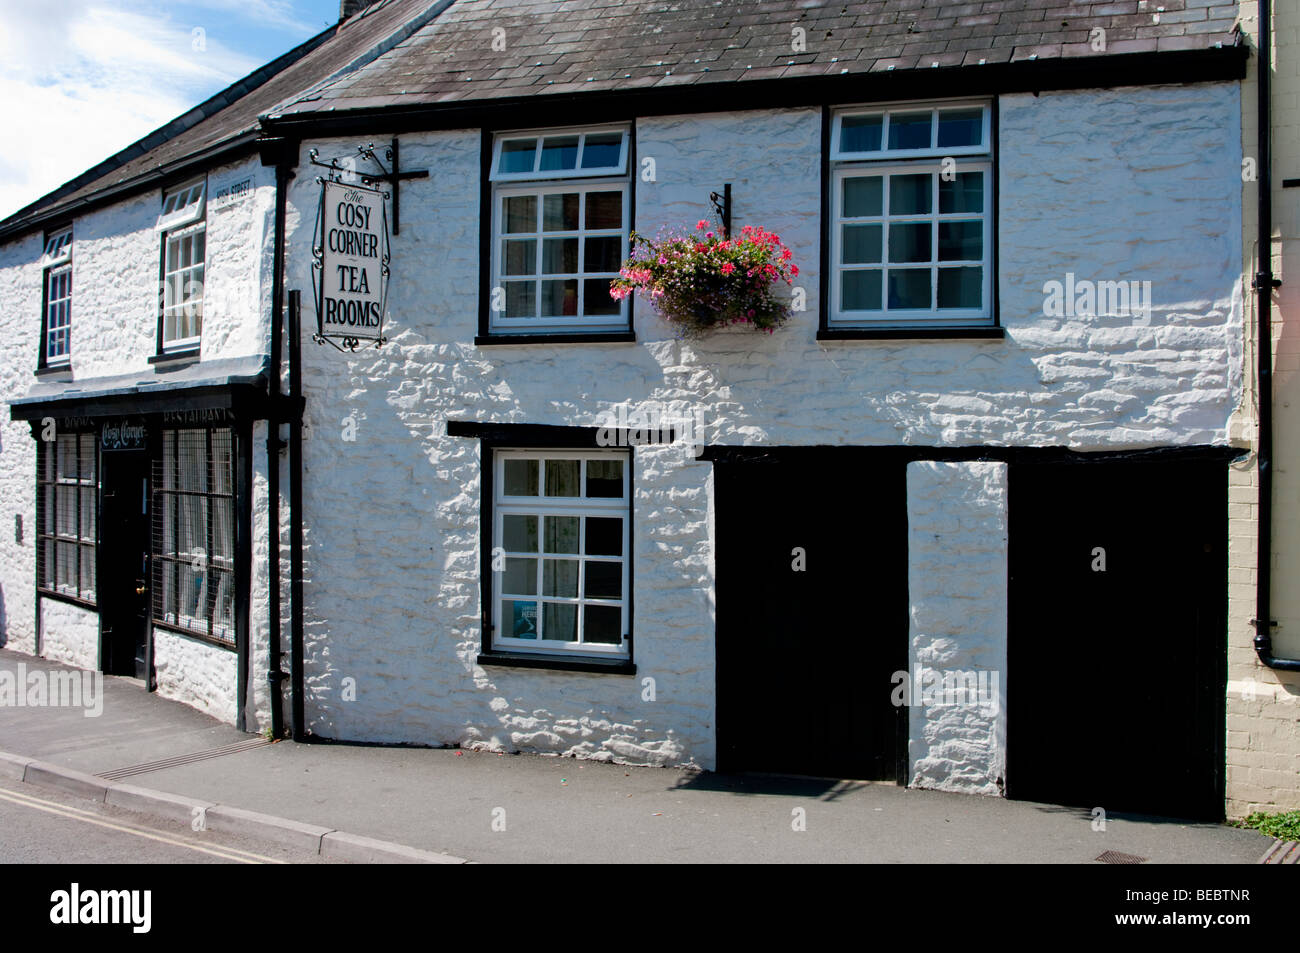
(47, 477)
(839, 332)
(486, 336)
(493, 437)
(165, 502)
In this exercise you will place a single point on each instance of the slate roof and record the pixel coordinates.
(233, 113)
(567, 46)
(427, 52)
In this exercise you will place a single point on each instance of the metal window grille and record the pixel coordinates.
(67, 506)
(194, 532)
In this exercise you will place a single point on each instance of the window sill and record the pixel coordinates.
(64, 597)
(885, 334)
(50, 370)
(189, 356)
(595, 337)
(558, 663)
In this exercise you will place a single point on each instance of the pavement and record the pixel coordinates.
(362, 803)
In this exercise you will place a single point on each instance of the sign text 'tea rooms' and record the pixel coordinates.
(353, 234)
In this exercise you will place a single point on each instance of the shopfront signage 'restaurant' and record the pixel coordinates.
(350, 253)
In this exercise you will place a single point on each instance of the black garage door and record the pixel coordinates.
(811, 613)
(1117, 645)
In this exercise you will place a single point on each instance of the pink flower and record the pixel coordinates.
(701, 224)
(728, 268)
(663, 260)
(794, 270)
(708, 234)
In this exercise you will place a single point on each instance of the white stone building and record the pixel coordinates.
(961, 523)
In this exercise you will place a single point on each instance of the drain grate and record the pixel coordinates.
(1118, 857)
(117, 774)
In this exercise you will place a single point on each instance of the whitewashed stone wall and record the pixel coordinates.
(20, 317)
(114, 331)
(1132, 184)
(196, 673)
(957, 583)
(69, 634)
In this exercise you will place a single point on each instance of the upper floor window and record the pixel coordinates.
(184, 249)
(56, 319)
(560, 220)
(911, 229)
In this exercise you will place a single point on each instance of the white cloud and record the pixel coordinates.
(273, 13)
(84, 79)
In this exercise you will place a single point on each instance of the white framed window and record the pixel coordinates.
(56, 317)
(561, 543)
(181, 206)
(184, 254)
(911, 230)
(58, 249)
(559, 153)
(560, 224)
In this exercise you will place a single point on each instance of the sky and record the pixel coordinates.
(82, 79)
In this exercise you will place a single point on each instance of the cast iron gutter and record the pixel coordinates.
(295, 510)
(284, 156)
(1264, 285)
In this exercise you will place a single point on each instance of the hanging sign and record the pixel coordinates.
(350, 254)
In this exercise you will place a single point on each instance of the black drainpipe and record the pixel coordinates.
(283, 156)
(1264, 285)
(295, 508)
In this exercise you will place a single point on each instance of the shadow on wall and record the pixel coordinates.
(4, 619)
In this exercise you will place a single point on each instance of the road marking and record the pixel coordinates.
(89, 817)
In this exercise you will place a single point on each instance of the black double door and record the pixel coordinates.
(811, 614)
(124, 577)
(1117, 644)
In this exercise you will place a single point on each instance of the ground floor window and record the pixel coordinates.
(67, 498)
(560, 551)
(193, 549)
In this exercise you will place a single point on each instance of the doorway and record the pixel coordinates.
(124, 578)
(812, 613)
(1117, 650)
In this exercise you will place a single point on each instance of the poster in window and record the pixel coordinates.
(523, 620)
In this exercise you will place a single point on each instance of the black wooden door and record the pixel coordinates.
(1117, 646)
(124, 562)
(811, 614)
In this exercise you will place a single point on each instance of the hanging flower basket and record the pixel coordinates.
(701, 281)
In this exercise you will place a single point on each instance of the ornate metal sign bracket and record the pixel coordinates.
(391, 177)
